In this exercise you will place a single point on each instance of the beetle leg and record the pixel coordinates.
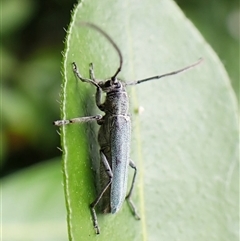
(77, 120)
(128, 197)
(79, 76)
(91, 72)
(96, 201)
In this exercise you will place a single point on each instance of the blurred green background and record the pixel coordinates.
(32, 41)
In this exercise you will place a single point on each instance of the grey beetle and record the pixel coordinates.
(114, 135)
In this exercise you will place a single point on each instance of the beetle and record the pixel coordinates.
(114, 135)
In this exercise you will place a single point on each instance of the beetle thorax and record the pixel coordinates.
(116, 102)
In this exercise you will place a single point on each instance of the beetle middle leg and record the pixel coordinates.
(128, 197)
(97, 200)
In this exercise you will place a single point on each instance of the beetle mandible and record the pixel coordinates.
(114, 135)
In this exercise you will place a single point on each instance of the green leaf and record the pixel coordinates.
(184, 142)
(32, 204)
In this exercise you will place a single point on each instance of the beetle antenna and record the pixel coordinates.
(91, 25)
(167, 74)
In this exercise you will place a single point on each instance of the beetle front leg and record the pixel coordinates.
(91, 72)
(77, 120)
(128, 197)
(98, 98)
(79, 76)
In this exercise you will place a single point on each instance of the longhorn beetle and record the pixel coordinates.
(114, 135)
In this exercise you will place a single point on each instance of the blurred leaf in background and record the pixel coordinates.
(32, 41)
(218, 21)
(30, 209)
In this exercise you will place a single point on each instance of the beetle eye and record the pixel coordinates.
(117, 85)
(107, 83)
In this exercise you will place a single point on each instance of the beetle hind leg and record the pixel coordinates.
(97, 200)
(128, 197)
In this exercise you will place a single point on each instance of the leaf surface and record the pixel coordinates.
(184, 142)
